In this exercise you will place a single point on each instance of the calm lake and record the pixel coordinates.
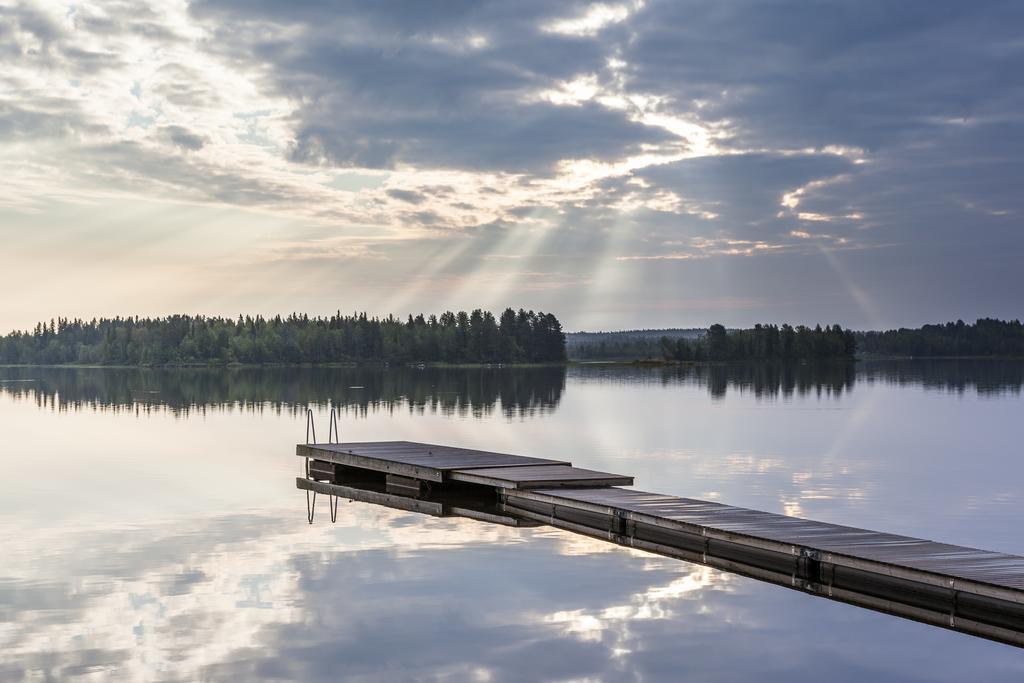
(151, 528)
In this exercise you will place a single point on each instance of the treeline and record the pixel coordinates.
(477, 337)
(616, 349)
(986, 337)
(763, 342)
(624, 345)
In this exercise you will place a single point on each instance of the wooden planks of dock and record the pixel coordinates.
(433, 463)
(940, 564)
(975, 591)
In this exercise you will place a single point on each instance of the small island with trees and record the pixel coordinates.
(763, 342)
(986, 337)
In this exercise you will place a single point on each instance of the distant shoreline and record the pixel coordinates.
(649, 362)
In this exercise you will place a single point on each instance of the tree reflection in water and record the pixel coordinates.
(469, 391)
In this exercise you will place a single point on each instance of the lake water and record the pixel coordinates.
(151, 528)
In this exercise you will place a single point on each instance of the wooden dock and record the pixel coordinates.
(969, 590)
(439, 464)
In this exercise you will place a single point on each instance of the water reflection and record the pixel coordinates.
(998, 620)
(788, 380)
(985, 376)
(167, 548)
(472, 391)
(448, 391)
(388, 595)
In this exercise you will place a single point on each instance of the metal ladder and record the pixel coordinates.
(333, 436)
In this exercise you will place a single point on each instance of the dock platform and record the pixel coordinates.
(432, 463)
(965, 589)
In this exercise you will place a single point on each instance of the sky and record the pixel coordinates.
(637, 164)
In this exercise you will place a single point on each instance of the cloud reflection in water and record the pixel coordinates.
(196, 561)
(388, 594)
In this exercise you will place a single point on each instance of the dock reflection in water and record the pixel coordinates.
(987, 611)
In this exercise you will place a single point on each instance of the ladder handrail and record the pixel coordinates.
(310, 425)
(333, 435)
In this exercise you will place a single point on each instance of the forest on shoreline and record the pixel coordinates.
(986, 337)
(479, 337)
(763, 342)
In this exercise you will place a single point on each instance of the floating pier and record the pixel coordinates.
(978, 592)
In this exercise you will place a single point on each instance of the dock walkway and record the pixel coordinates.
(975, 591)
(431, 463)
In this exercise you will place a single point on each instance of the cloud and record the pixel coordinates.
(595, 131)
(43, 118)
(183, 138)
(507, 136)
(595, 18)
(371, 98)
(865, 75)
(409, 196)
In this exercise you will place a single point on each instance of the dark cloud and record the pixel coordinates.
(425, 218)
(510, 138)
(118, 18)
(183, 138)
(30, 20)
(184, 582)
(407, 196)
(86, 61)
(404, 83)
(45, 118)
(867, 73)
(744, 189)
(405, 17)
